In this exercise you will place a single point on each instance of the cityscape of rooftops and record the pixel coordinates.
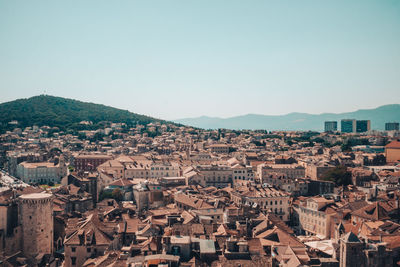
(199, 133)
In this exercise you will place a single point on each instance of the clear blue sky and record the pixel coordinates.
(174, 59)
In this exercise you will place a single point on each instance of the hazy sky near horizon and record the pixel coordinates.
(177, 59)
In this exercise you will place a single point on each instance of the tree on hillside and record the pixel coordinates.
(339, 175)
(346, 146)
(117, 194)
(104, 195)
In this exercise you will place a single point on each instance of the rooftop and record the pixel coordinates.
(36, 196)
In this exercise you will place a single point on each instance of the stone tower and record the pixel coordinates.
(36, 217)
(351, 251)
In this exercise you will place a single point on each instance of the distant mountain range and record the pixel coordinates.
(63, 113)
(67, 113)
(297, 121)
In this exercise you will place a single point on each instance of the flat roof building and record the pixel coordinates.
(363, 126)
(391, 126)
(330, 126)
(40, 172)
(348, 126)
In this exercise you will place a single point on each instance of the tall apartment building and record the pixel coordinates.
(348, 126)
(363, 126)
(391, 126)
(330, 126)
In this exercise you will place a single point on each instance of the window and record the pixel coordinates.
(73, 249)
(88, 250)
(73, 260)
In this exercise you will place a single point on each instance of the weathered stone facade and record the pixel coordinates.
(36, 216)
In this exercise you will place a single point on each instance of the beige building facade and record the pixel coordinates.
(392, 152)
(36, 216)
(314, 220)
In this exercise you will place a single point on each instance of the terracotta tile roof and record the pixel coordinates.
(380, 228)
(374, 212)
(223, 230)
(392, 242)
(121, 182)
(93, 156)
(163, 211)
(86, 230)
(393, 144)
(187, 217)
(132, 224)
(197, 229)
(270, 220)
(192, 202)
(395, 174)
(277, 236)
(292, 256)
(112, 163)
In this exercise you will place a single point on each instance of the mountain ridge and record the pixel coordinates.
(296, 120)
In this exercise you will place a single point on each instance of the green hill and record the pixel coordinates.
(63, 113)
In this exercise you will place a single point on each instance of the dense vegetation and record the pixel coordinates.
(115, 194)
(63, 113)
(346, 147)
(339, 175)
